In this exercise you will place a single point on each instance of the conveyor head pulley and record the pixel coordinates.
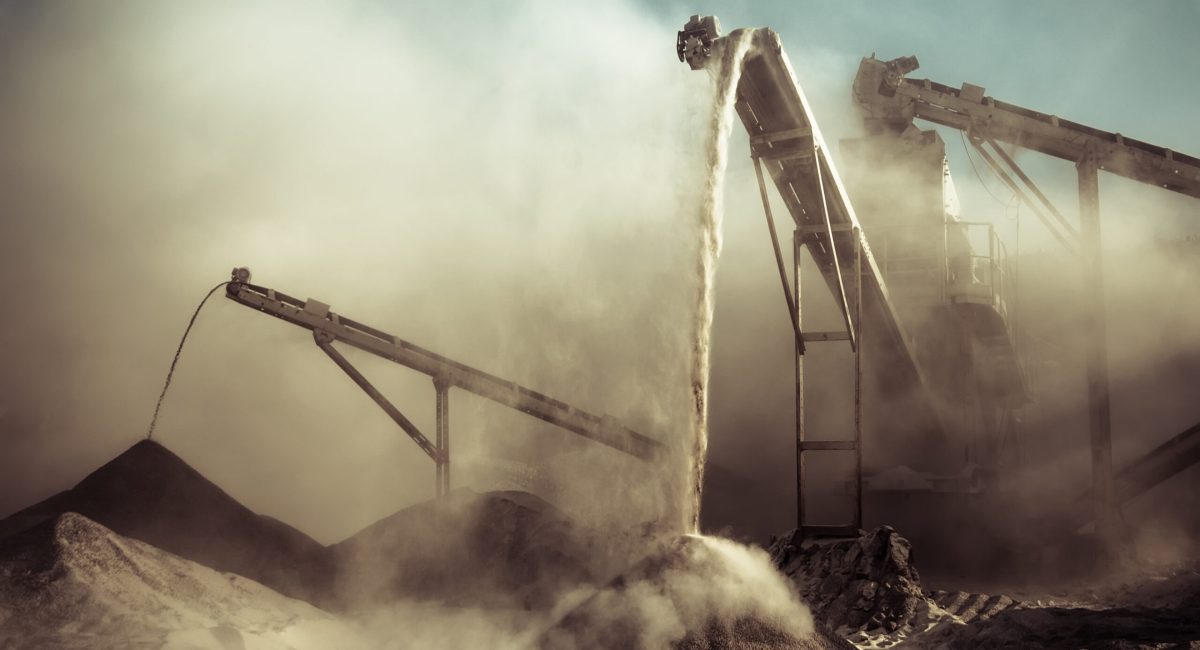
(694, 43)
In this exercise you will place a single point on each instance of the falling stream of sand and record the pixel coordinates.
(726, 68)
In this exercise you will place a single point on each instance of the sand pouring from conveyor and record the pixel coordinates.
(328, 327)
(786, 142)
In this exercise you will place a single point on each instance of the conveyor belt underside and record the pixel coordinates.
(770, 102)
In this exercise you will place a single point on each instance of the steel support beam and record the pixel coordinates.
(316, 316)
(797, 243)
(858, 351)
(442, 390)
(1067, 239)
(1096, 341)
(837, 265)
(787, 294)
(325, 342)
(996, 120)
(1012, 164)
(853, 315)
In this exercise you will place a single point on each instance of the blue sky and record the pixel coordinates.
(1115, 65)
(1125, 67)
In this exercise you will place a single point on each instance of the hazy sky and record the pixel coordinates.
(509, 186)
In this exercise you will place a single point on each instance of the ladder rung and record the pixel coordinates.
(831, 531)
(805, 229)
(788, 134)
(827, 445)
(783, 154)
(825, 336)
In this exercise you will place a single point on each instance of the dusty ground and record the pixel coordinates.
(869, 592)
(508, 570)
(72, 583)
(499, 570)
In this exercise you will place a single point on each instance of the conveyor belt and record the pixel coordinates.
(1146, 471)
(315, 315)
(784, 134)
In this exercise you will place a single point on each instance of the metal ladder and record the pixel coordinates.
(853, 335)
(764, 146)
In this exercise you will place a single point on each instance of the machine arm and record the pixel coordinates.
(784, 136)
(328, 327)
(887, 97)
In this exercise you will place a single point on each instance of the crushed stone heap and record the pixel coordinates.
(149, 494)
(509, 549)
(71, 583)
(866, 583)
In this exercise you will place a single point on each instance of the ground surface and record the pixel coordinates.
(869, 592)
(72, 583)
(508, 570)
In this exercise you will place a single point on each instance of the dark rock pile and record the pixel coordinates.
(493, 550)
(149, 494)
(510, 549)
(867, 583)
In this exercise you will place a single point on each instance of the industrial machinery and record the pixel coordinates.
(890, 102)
(929, 305)
(953, 285)
(328, 327)
(785, 140)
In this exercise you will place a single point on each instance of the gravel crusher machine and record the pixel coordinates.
(923, 293)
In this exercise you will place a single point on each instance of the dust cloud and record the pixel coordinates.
(429, 174)
(424, 172)
(1152, 309)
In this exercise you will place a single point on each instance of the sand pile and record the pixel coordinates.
(509, 549)
(150, 494)
(72, 583)
(691, 592)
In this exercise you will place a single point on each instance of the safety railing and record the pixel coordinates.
(964, 261)
(976, 265)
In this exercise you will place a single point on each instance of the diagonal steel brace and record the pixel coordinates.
(325, 341)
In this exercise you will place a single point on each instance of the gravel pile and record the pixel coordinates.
(506, 549)
(149, 494)
(867, 583)
(71, 583)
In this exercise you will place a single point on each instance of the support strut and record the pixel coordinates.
(1068, 239)
(787, 293)
(1096, 340)
(837, 265)
(803, 444)
(442, 389)
(325, 343)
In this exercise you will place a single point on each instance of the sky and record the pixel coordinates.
(507, 186)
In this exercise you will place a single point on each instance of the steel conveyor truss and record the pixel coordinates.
(328, 327)
(785, 140)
